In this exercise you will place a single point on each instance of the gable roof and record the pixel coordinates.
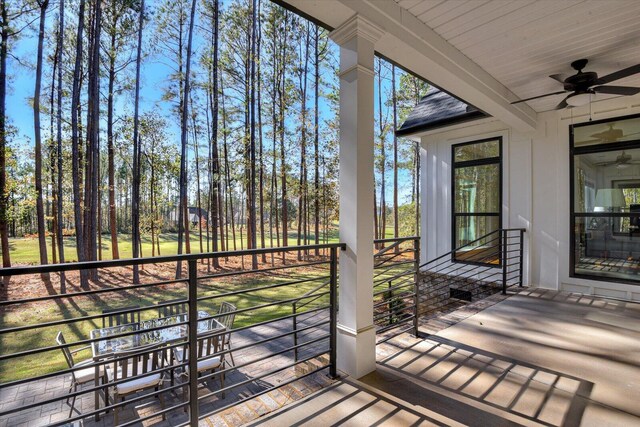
(438, 109)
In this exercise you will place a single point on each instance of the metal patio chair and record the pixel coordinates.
(78, 377)
(209, 345)
(228, 316)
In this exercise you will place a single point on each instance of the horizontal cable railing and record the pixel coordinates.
(395, 299)
(65, 356)
(476, 270)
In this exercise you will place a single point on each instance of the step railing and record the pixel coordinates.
(480, 268)
(395, 291)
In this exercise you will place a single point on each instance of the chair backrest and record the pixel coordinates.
(209, 344)
(227, 310)
(65, 350)
(137, 361)
(179, 307)
(120, 318)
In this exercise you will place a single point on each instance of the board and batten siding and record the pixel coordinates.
(535, 191)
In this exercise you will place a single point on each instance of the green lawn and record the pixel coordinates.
(24, 251)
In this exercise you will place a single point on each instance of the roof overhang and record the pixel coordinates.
(416, 47)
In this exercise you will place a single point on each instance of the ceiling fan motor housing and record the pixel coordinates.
(581, 82)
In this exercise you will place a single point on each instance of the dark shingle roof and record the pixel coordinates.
(438, 109)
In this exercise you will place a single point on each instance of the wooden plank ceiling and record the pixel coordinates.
(521, 42)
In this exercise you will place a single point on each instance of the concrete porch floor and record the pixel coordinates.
(537, 358)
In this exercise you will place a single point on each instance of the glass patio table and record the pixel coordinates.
(170, 332)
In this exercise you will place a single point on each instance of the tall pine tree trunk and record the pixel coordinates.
(183, 141)
(383, 159)
(283, 165)
(59, 224)
(42, 236)
(316, 143)
(4, 199)
(274, 118)
(75, 144)
(394, 102)
(216, 217)
(92, 158)
(303, 144)
(260, 149)
(113, 228)
(52, 159)
(135, 196)
(227, 172)
(198, 190)
(251, 195)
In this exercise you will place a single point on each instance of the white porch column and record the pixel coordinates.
(356, 333)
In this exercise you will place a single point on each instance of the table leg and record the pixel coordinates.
(96, 380)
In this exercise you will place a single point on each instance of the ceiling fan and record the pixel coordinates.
(624, 160)
(610, 135)
(582, 85)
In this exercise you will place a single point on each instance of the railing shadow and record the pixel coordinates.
(523, 389)
(348, 403)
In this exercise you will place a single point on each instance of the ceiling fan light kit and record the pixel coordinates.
(579, 99)
(582, 86)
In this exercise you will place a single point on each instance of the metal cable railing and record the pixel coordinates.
(263, 342)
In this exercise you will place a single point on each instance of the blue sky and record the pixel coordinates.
(154, 78)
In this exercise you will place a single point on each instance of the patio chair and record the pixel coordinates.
(81, 376)
(180, 306)
(120, 318)
(228, 311)
(131, 368)
(208, 357)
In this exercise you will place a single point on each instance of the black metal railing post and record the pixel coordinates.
(333, 307)
(504, 261)
(294, 319)
(390, 303)
(416, 258)
(193, 342)
(521, 255)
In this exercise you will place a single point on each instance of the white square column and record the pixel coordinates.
(356, 341)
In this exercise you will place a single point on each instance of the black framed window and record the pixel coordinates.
(605, 200)
(476, 177)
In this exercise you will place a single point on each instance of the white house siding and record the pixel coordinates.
(535, 192)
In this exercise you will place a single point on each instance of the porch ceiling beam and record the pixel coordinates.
(413, 45)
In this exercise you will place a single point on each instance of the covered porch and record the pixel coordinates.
(538, 357)
(563, 350)
(494, 60)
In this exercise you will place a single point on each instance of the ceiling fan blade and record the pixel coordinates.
(557, 77)
(634, 69)
(539, 96)
(617, 90)
(562, 105)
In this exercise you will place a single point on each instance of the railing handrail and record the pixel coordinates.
(88, 265)
(499, 230)
(395, 239)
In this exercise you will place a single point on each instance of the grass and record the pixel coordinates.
(24, 251)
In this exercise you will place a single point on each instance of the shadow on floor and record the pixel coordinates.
(534, 393)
